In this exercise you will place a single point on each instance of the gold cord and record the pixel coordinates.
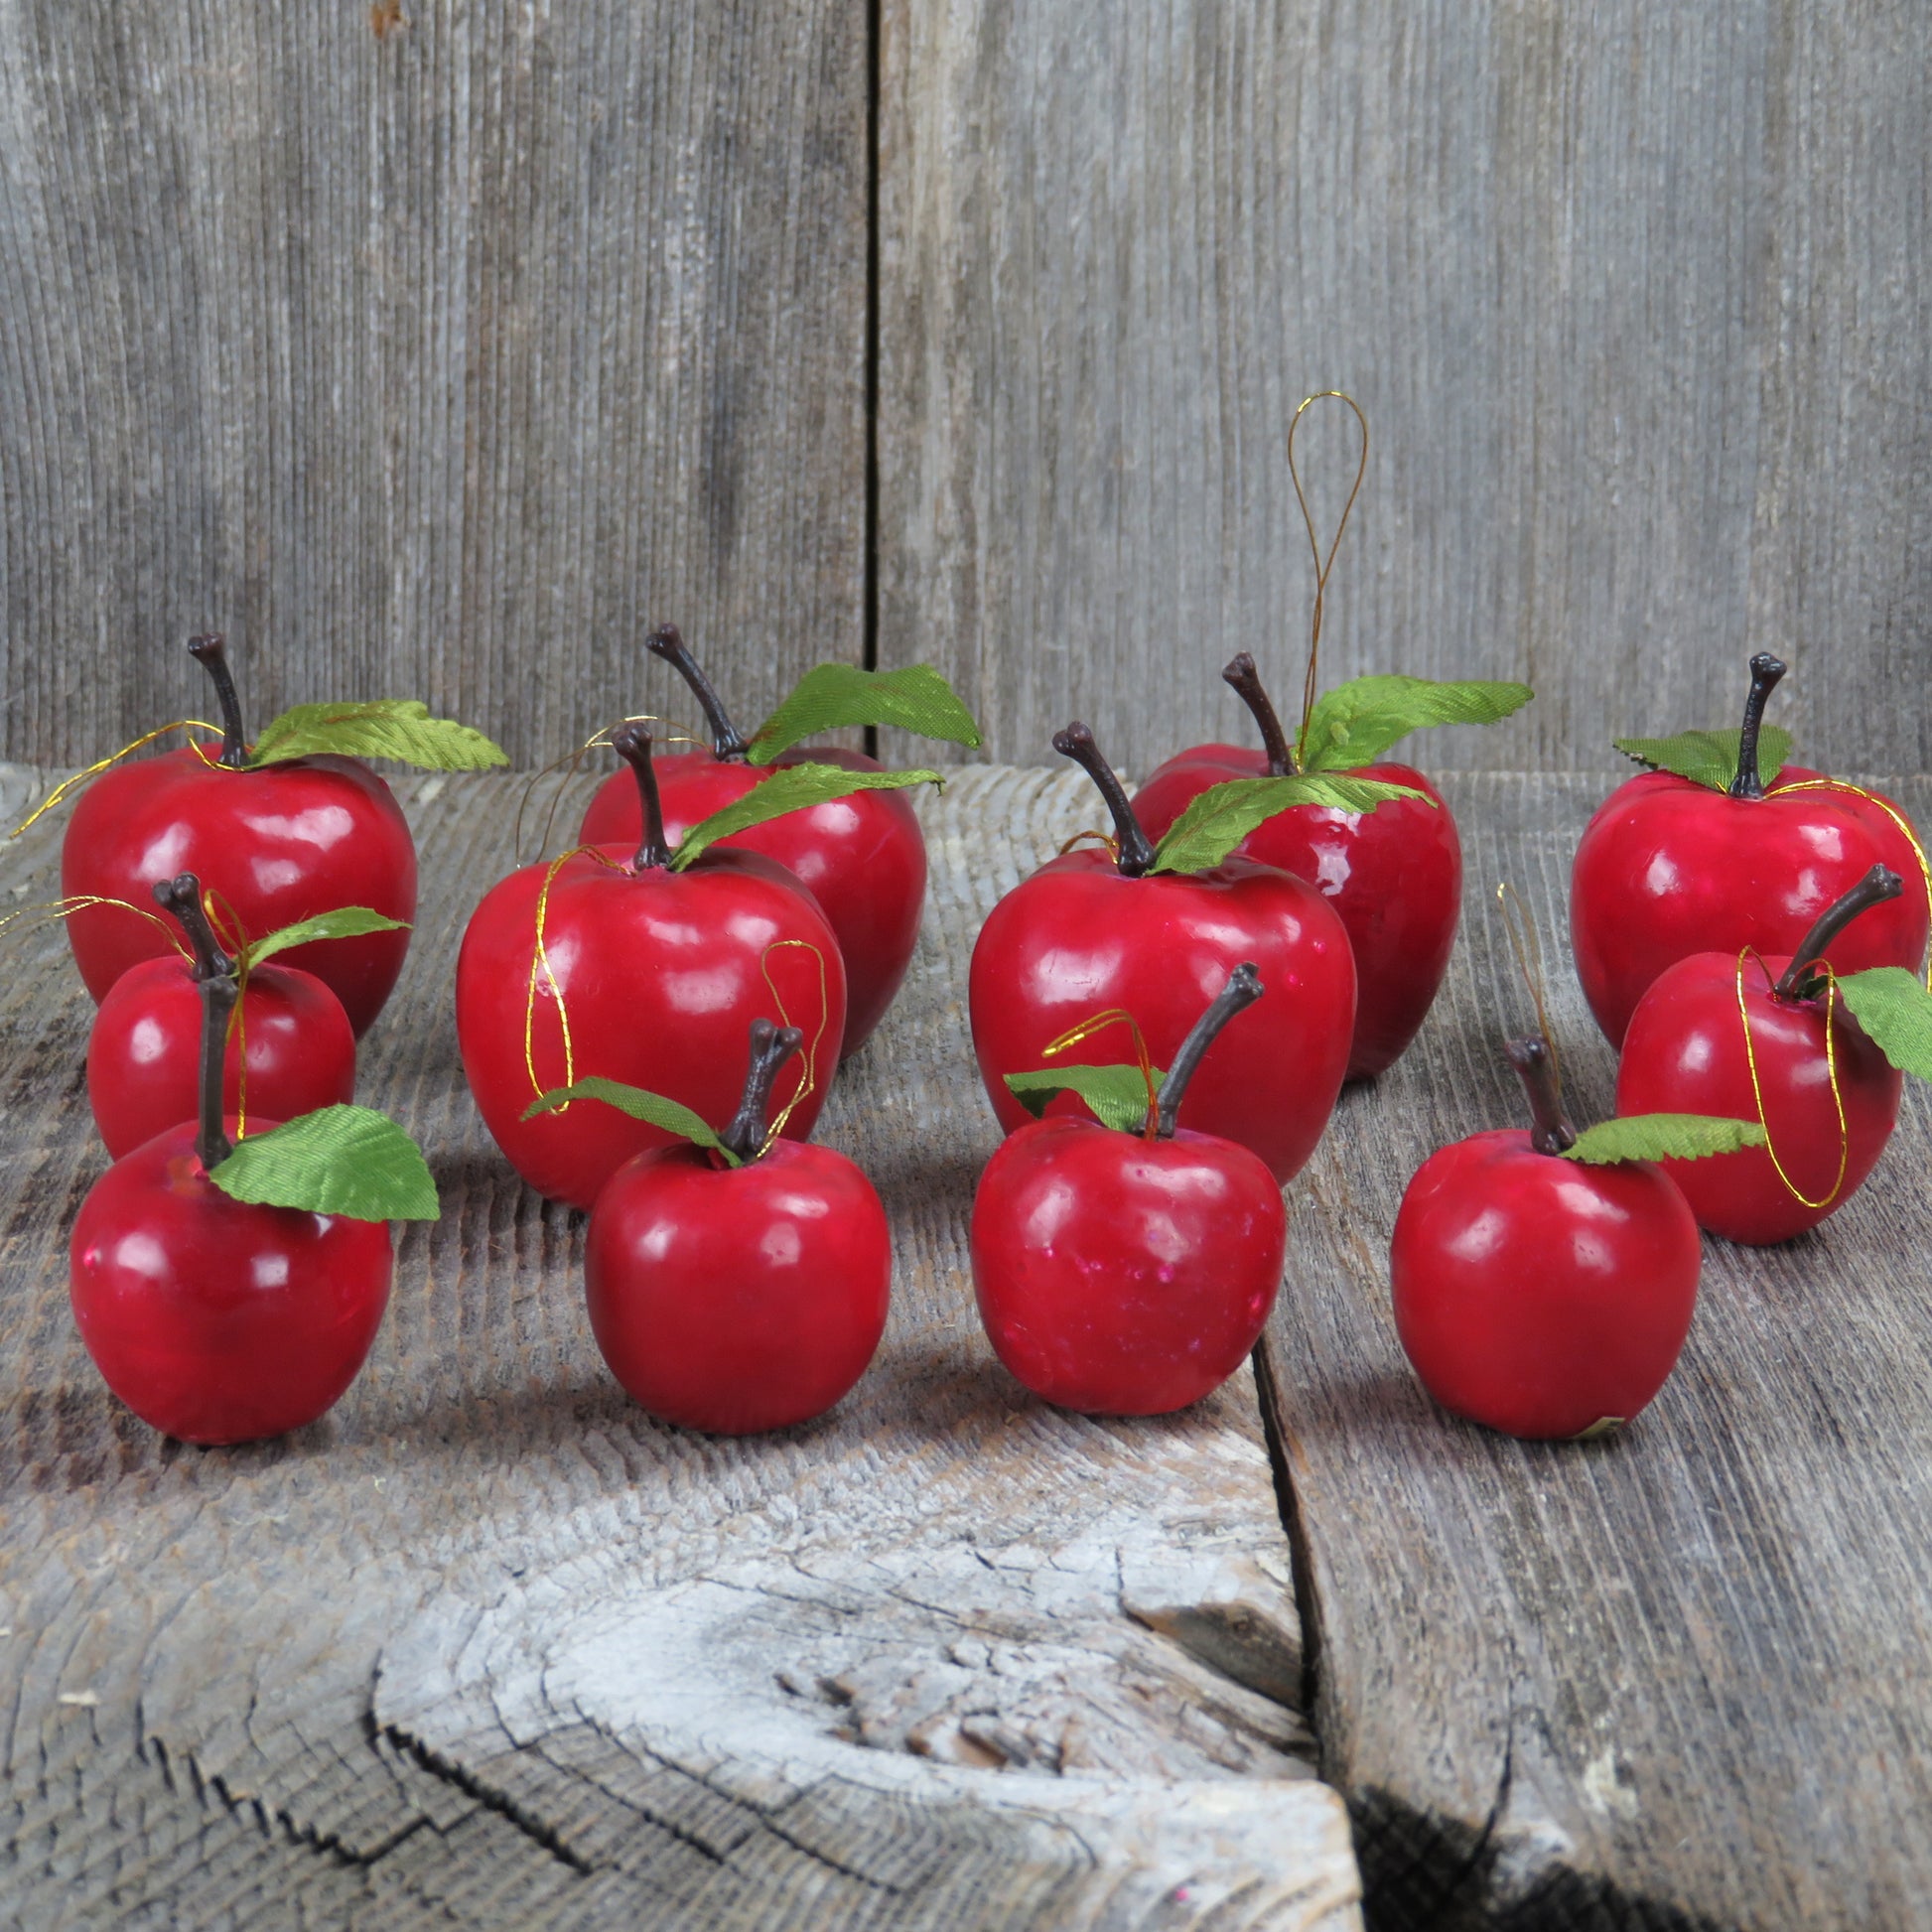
(1322, 568)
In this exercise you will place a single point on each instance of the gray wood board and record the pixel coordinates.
(1676, 1677)
(486, 1646)
(430, 363)
(1636, 299)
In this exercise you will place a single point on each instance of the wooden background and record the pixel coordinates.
(439, 361)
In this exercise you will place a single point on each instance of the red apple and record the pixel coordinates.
(1092, 931)
(740, 1293)
(144, 1052)
(1128, 1273)
(1670, 866)
(862, 856)
(648, 975)
(1826, 1094)
(1394, 876)
(1536, 1294)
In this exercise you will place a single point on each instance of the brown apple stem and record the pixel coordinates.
(1877, 886)
(632, 744)
(1246, 680)
(182, 895)
(728, 742)
(1550, 1133)
(212, 1144)
(1765, 672)
(211, 654)
(1136, 847)
(1243, 989)
(771, 1046)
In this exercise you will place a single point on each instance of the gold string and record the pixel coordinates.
(540, 957)
(1528, 948)
(566, 767)
(1831, 1071)
(220, 913)
(79, 778)
(810, 1083)
(1098, 1023)
(1321, 569)
(1892, 813)
(66, 908)
(1106, 838)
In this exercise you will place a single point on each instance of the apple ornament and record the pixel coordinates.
(1127, 1268)
(290, 1048)
(1544, 1280)
(280, 831)
(1702, 855)
(1817, 1057)
(231, 1291)
(1394, 877)
(737, 1281)
(862, 854)
(1156, 930)
(646, 968)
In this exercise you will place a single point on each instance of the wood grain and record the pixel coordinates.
(489, 1647)
(1667, 1680)
(1637, 301)
(435, 363)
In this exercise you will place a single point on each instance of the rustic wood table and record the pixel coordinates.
(489, 1647)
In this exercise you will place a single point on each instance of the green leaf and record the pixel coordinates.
(1893, 1007)
(1219, 818)
(349, 1160)
(1663, 1137)
(1709, 758)
(385, 728)
(1354, 724)
(789, 789)
(1117, 1094)
(346, 922)
(673, 1116)
(831, 697)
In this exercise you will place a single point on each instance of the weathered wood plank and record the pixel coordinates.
(486, 1646)
(1637, 301)
(1675, 1676)
(432, 363)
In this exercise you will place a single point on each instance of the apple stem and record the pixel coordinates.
(1136, 847)
(632, 744)
(182, 895)
(728, 743)
(211, 1144)
(1877, 886)
(771, 1046)
(1243, 989)
(1765, 672)
(1550, 1133)
(211, 654)
(1246, 680)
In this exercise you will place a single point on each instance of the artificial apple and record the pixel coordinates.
(1394, 877)
(288, 1031)
(1736, 1032)
(223, 1292)
(741, 1283)
(862, 855)
(1128, 1273)
(278, 832)
(643, 969)
(1533, 1293)
(1096, 929)
(1674, 864)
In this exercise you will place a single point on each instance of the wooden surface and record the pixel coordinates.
(487, 1647)
(1636, 299)
(1674, 1678)
(430, 363)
